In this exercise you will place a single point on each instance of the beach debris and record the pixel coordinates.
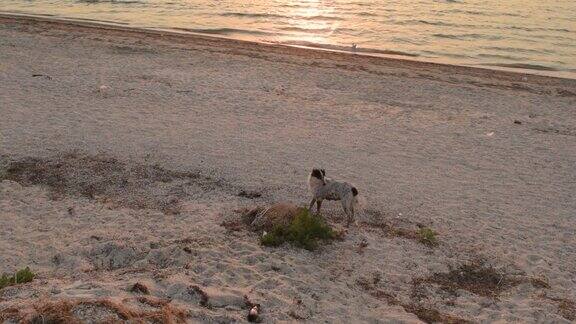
(490, 134)
(362, 246)
(188, 293)
(254, 310)
(249, 194)
(517, 122)
(140, 289)
(102, 88)
(42, 75)
(354, 46)
(254, 314)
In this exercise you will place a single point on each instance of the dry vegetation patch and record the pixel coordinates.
(430, 315)
(110, 181)
(566, 307)
(101, 311)
(425, 313)
(478, 278)
(419, 233)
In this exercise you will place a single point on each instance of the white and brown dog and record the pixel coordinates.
(323, 188)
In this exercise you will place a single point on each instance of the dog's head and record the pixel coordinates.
(319, 174)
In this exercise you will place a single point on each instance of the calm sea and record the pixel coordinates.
(539, 35)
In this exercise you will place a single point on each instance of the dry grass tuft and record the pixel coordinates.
(566, 307)
(475, 277)
(101, 311)
(478, 278)
(426, 237)
(140, 289)
(424, 313)
(430, 315)
(9, 314)
(203, 295)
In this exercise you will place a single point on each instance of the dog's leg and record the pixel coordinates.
(351, 219)
(345, 207)
(311, 204)
(318, 205)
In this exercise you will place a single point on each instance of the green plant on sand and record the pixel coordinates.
(22, 276)
(428, 236)
(304, 231)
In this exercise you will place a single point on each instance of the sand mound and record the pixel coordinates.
(278, 215)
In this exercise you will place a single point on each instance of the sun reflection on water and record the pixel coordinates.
(310, 21)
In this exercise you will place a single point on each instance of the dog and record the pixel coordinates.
(323, 188)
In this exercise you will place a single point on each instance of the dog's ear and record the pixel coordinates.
(316, 173)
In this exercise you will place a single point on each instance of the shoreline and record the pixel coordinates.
(221, 40)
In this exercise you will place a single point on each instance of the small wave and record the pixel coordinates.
(226, 31)
(510, 14)
(252, 15)
(426, 22)
(503, 57)
(271, 15)
(313, 30)
(110, 1)
(468, 12)
(435, 23)
(517, 50)
(319, 17)
(467, 36)
(533, 29)
(526, 66)
(365, 14)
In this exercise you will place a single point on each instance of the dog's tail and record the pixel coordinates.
(359, 201)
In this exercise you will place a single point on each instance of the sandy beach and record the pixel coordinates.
(124, 152)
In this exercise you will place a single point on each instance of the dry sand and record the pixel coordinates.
(123, 152)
